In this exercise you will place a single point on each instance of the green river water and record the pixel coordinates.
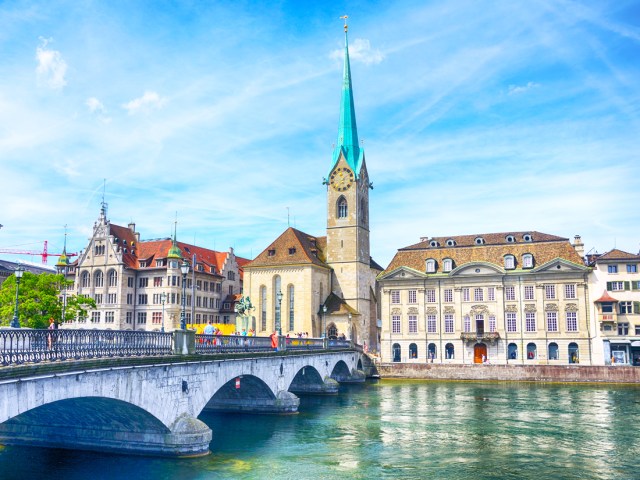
(394, 429)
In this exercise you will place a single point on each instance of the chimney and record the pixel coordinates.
(424, 239)
(578, 245)
(132, 227)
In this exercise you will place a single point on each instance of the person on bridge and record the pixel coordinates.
(208, 330)
(274, 341)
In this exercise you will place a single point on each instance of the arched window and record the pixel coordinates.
(432, 351)
(277, 284)
(263, 308)
(449, 352)
(431, 265)
(553, 351)
(86, 282)
(413, 351)
(510, 239)
(342, 208)
(363, 211)
(509, 262)
(532, 351)
(99, 279)
(512, 351)
(574, 356)
(527, 260)
(291, 309)
(332, 331)
(113, 278)
(396, 352)
(447, 265)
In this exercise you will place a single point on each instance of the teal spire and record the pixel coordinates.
(348, 142)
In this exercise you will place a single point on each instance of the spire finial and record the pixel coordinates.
(346, 27)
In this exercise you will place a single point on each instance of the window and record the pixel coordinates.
(512, 325)
(113, 278)
(510, 292)
(143, 282)
(130, 282)
(157, 281)
(527, 261)
(142, 318)
(607, 307)
(615, 286)
(342, 207)
(431, 265)
(512, 351)
(637, 329)
(509, 262)
(625, 308)
(395, 323)
(553, 351)
(395, 296)
(129, 298)
(205, 286)
(449, 352)
(109, 317)
(612, 269)
(479, 241)
(467, 323)
(632, 268)
(230, 289)
(431, 324)
(527, 238)
(491, 294)
(129, 317)
(570, 291)
(431, 295)
(112, 298)
(85, 279)
(434, 244)
(448, 295)
(447, 264)
(156, 318)
(492, 323)
(478, 295)
(531, 351)
(99, 250)
(99, 279)
(396, 352)
(623, 328)
(271, 252)
(413, 296)
(530, 321)
(143, 299)
(413, 351)
(465, 295)
(292, 250)
(413, 324)
(572, 321)
(95, 317)
(529, 292)
(451, 243)
(98, 298)
(552, 322)
(291, 308)
(510, 239)
(448, 323)
(550, 292)
(432, 351)
(573, 353)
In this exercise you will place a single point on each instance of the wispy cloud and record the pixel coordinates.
(359, 51)
(516, 89)
(52, 68)
(146, 103)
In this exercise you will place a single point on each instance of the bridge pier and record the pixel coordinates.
(355, 376)
(283, 403)
(328, 387)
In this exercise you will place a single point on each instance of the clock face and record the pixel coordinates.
(341, 179)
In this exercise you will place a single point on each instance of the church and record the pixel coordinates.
(324, 285)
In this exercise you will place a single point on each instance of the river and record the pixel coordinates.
(394, 429)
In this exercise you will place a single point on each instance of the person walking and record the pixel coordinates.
(274, 341)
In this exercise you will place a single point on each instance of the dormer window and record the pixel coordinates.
(527, 238)
(160, 263)
(200, 267)
(431, 265)
(447, 265)
(213, 269)
(510, 239)
(527, 260)
(271, 252)
(509, 262)
(143, 264)
(433, 244)
(479, 241)
(451, 242)
(292, 250)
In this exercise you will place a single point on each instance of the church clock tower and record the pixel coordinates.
(348, 215)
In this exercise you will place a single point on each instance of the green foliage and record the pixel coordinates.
(40, 299)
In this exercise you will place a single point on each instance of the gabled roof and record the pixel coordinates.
(616, 254)
(338, 306)
(605, 298)
(488, 238)
(292, 247)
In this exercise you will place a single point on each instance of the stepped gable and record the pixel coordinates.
(292, 247)
(542, 246)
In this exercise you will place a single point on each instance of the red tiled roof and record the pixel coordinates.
(605, 298)
(489, 239)
(616, 254)
(293, 247)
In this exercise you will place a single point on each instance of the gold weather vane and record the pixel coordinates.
(344, 17)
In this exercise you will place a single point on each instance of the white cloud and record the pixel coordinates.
(148, 101)
(94, 105)
(360, 51)
(51, 67)
(516, 89)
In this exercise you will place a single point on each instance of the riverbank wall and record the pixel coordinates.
(511, 373)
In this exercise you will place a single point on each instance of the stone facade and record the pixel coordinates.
(508, 298)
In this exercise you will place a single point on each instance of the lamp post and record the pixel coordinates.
(62, 269)
(324, 324)
(184, 268)
(163, 299)
(279, 312)
(349, 328)
(15, 323)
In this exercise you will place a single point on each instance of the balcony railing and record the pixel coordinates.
(480, 336)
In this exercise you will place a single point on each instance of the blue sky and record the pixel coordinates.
(476, 117)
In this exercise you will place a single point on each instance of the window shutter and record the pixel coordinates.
(626, 285)
(609, 286)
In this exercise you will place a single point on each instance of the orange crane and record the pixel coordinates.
(44, 254)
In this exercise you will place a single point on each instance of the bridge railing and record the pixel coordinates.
(25, 345)
(231, 343)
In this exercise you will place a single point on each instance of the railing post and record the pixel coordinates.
(325, 343)
(184, 342)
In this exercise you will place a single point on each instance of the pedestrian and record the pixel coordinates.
(274, 341)
(208, 330)
(52, 326)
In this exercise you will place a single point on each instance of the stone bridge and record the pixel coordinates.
(154, 408)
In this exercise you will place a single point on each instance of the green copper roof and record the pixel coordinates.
(63, 259)
(174, 251)
(347, 131)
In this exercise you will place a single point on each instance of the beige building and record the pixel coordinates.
(324, 285)
(506, 298)
(138, 284)
(614, 287)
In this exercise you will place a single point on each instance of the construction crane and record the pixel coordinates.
(44, 254)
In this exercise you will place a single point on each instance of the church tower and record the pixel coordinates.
(348, 216)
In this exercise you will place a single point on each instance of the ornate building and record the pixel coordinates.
(138, 285)
(318, 285)
(506, 298)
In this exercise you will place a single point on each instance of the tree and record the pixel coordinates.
(39, 299)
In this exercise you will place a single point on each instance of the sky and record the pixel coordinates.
(476, 117)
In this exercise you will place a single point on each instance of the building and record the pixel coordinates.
(302, 283)
(138, 285)
(614, 286)
(506, 298)
(7, 268)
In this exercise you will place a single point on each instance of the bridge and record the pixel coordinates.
(142, 392)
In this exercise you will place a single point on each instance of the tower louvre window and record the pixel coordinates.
(342, 208)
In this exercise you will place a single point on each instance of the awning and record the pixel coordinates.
(635, 343)
(621, 342)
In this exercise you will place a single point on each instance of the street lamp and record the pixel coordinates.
(15, 323)
(324, 324)
(163, 299)
(62, 270)
(184, 268)
(278, 312)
